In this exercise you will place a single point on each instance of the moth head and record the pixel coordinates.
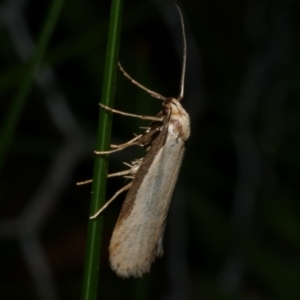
(177, 117)
(173, 106)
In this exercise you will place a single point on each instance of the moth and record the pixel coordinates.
(138, 234)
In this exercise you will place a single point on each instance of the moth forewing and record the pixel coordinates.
(137, 237)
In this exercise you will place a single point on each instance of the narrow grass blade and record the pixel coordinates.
(92, 259)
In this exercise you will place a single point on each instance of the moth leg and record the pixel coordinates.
(121, 173)
(121, 146)
(136, 137)
(127, 164)
(133, 169)
(84, 182)
(150, 118)
(140, 140)
(124, 188)
(152, 93)
(127, 143)
(146, 128)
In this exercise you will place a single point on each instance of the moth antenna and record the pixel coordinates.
(184, 55)
(152, 93)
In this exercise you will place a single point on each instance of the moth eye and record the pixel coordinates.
(166, 110)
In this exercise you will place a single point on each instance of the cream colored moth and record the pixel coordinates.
(138, 234)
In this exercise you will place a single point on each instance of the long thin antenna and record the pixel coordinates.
(184, 55)
(152, 93)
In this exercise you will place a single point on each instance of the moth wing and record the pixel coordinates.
(137, 237)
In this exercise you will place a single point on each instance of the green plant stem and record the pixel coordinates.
(92, 259)
(12, 117)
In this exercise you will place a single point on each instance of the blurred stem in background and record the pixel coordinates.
(93, 248)
(11, 120)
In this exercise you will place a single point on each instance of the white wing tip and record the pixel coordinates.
(127, 269)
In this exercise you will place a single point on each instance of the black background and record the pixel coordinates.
(234, 228)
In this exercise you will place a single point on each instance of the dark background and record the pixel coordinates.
(234, 227)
